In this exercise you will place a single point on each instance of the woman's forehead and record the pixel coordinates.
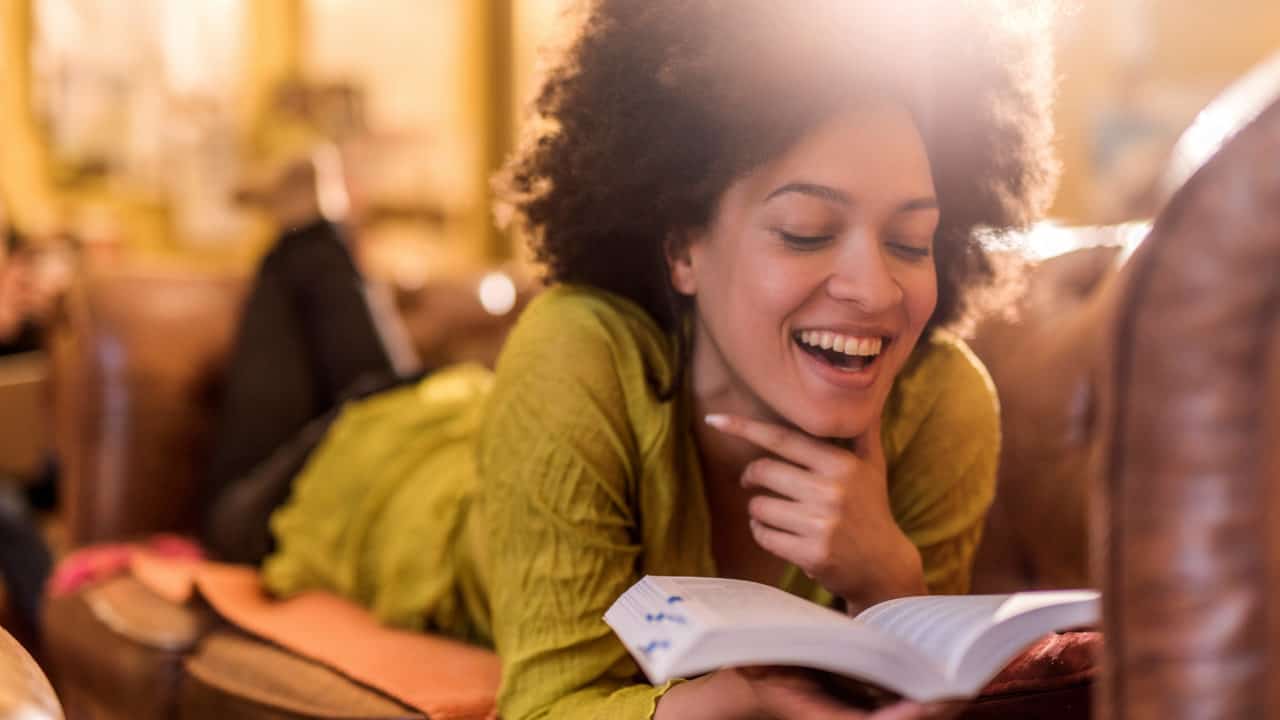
(865, 152)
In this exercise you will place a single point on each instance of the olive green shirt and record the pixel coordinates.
(511, 509)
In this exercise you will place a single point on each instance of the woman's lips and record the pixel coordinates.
(853, 371)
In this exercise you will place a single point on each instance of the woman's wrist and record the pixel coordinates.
(898, 572)
(721, 695)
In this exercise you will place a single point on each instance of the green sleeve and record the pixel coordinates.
(557, 463)
(943, 451)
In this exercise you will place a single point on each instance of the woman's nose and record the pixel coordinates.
(864, 277)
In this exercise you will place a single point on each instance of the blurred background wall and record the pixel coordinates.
(150, 127)
(1133, 75)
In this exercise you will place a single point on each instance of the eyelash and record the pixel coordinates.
(813, 242)
(912, 252)
(804, 242)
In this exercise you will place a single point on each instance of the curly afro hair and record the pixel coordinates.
(656, 106)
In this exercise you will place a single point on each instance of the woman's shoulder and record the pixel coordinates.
(944, 384)
(944, 363)
(582, 306)
(591, 325)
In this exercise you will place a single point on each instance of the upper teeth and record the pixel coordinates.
(847, 344)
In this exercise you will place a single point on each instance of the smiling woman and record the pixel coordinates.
(759, 218)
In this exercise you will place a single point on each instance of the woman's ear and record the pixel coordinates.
(680, 262)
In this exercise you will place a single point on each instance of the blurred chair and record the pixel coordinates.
(135, 371)
(24, 437)
(24, 560)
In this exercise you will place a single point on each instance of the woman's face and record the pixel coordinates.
(815, 277)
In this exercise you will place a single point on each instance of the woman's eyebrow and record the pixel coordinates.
(921, 203)
(823, 192)
(830, 194)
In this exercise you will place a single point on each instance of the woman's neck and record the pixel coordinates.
(715, 390)
(723, 459)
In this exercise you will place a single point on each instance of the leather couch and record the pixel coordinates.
(135, 371)
(1187, 458)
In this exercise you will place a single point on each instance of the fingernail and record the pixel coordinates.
(717, 421)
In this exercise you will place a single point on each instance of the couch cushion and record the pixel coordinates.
(441, 677)
(1043, 362)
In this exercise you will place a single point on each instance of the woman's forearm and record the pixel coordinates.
(722, 695)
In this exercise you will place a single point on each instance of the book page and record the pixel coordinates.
(972, 637)
(720, 602)
(683, 627)
(654, 625)
(1020, 621)
(941, 626)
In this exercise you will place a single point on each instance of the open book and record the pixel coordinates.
(924, 648)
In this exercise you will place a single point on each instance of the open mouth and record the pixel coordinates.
(847, 353)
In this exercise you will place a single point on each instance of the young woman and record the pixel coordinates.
(757, 217)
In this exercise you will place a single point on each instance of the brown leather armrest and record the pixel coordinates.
(1187, 535)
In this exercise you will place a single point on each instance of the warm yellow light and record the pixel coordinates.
(497, 293)
(1049, 239)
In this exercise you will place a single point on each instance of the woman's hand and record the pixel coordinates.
(826, 510)
(786, 693)
(776, 693)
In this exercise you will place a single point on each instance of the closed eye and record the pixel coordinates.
(804, 242)
(909, 250)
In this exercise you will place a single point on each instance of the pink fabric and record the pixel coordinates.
(98, 562)
(172, 578)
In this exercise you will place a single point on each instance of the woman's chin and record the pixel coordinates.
(835, 426)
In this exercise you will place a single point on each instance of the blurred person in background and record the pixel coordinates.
(308, 338)
(25, 304)
(21, 302)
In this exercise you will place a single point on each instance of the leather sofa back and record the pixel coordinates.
(1187, 543)
(1044, 361)
(136, 359)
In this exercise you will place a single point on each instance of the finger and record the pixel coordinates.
(784, 442)
(904, 711)
(795, 549)
(782, 479)
(779, 514)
